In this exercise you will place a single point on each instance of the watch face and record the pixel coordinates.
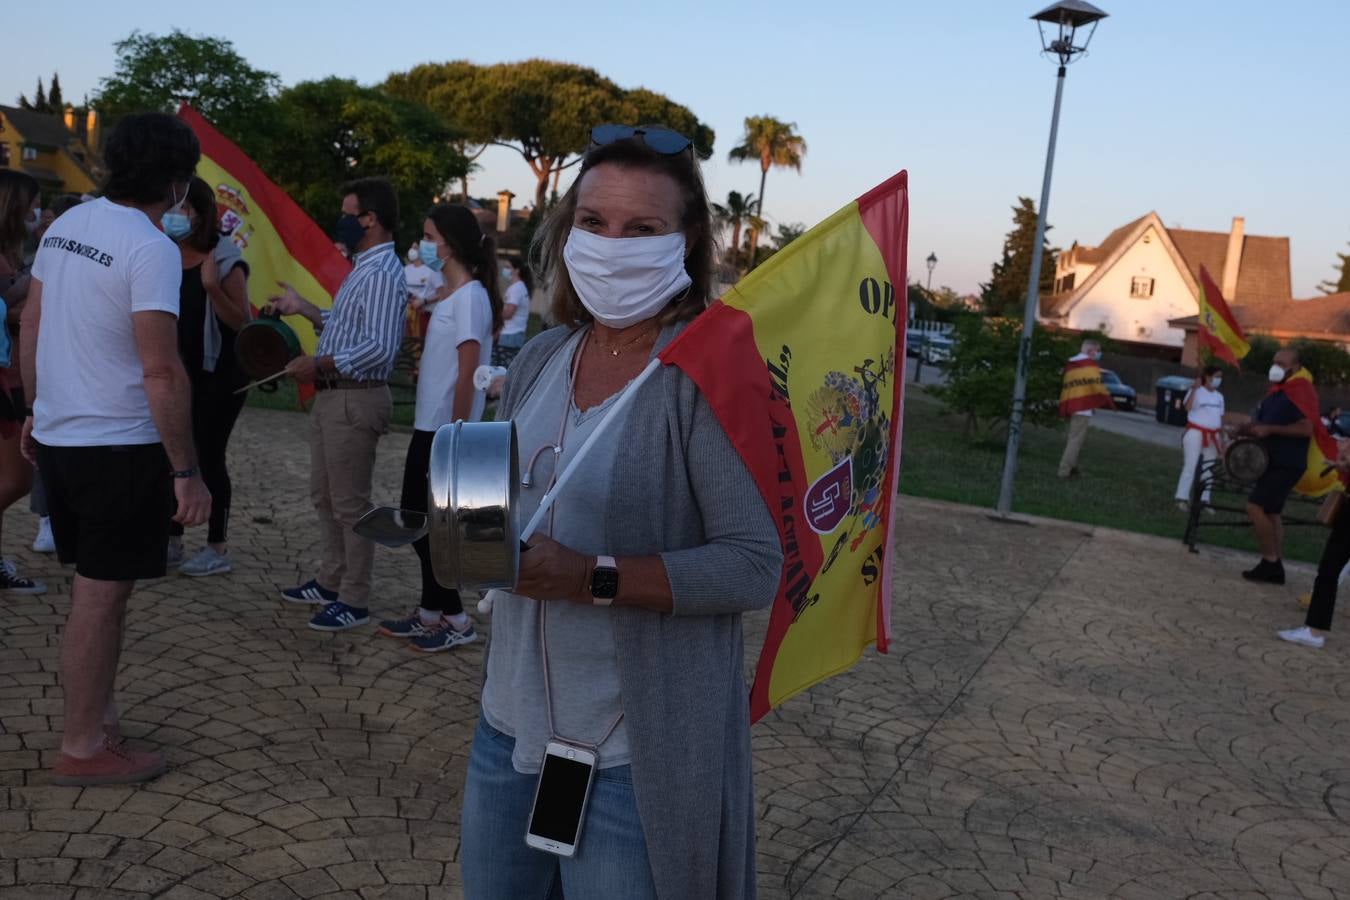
(605, 583)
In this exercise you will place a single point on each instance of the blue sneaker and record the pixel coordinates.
(337, 616)
(410, 627)
(310, 592)
(444, 637)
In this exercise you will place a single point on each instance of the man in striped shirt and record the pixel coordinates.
(358, 343)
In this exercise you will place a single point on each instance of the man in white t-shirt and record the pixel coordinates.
(110, 423)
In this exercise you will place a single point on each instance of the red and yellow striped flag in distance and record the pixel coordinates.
(1219, 329)
(275, 236)
(802, 363)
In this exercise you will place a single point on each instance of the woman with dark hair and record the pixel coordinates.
(468, 312)
(515, 312)
(213, 306)
(1203, 437)
(19, 217)
(622, 636)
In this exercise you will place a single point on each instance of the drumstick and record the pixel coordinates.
(266, 380)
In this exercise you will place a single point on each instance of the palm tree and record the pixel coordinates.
(772, 143)
(734, 215)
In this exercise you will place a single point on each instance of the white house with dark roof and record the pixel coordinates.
(1138, 282)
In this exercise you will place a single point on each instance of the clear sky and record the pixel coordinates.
(1199, 109)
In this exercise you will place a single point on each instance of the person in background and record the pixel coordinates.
(1083, 392)
(459, 340)
(1330, 422)
(111, 427)
(359, 340)
(1201, 440)
(516, 313)
(213, 306)
(1330, 572)
(19, 217)
(44, 542)
(423, 281)
(1285, 431)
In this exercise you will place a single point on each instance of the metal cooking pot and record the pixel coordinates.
(474, 526)
(264, 346)
(1246, 459)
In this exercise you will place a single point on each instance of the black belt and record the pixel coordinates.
(348, 384)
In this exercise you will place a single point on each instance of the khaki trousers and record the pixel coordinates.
(345, 426)
(1078, 430)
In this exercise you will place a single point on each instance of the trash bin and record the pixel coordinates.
(1170, 399)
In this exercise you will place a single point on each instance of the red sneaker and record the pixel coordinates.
(116, 763)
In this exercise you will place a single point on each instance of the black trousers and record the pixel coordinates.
(435, 598)
(1334, 557)
(215, 409)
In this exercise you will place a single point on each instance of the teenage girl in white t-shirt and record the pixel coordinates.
(458, 341)
(1201, 440)
(516, 314)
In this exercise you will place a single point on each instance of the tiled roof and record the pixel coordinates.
(43, 129)
(1263, 275)
(1319, 317)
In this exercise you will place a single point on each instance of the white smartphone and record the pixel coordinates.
(560, 799)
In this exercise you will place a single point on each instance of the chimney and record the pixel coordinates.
(1232, 260)
(91, 134)
(504, 210)
(70, 118)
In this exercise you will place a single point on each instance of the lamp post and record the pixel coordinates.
(932, 264)
(1063, 42)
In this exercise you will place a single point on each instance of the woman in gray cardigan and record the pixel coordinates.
(624, 630)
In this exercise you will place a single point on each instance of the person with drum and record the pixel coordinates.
(623, 634)
(213, 306)
(1202, 439)
(1285, 430)
(458, 341)
(359, 340)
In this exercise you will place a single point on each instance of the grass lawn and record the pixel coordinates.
(1125, 483)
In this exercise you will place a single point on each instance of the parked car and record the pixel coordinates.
(913, 343)
(937, 349)
(1124, 396)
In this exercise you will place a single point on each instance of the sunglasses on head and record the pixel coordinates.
(662, 140)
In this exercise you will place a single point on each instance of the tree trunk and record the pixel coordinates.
(759, 209)
(736, 239)
(541, 188)
(464, 188)
(557, 176)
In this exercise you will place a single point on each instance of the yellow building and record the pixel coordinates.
(59, 151)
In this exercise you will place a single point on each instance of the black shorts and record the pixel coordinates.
(1273, 488)
(110, 509)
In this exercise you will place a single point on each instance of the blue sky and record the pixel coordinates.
(1199, 109)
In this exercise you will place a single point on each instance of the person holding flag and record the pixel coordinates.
(624, 630)
(1083, 391)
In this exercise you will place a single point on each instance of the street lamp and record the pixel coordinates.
(1066, 29)
(932, 263)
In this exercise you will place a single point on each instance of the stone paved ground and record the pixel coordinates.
(1064, 713)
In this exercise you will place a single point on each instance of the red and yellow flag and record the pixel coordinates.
(1219, 329)
(277, 240)
(803, 365)
(1083, 388)
(1322, 449)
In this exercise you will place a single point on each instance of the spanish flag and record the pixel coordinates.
(803, 365)
(1219, 330)
(277, 240)
(1083, 388)
(1322, 449)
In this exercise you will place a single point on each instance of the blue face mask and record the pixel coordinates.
(175, 222)
(427, 250)
(349, 231)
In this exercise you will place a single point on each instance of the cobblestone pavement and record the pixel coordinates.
(1064, 713)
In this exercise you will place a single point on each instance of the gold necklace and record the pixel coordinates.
(616, 349)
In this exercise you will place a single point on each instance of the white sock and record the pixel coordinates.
(427, 616)
(459, 622)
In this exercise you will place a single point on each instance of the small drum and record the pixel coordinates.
(264, 347)
(1246, 460)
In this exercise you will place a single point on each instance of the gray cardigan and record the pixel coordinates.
(680, 489)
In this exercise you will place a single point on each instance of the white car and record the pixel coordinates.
(937, 349)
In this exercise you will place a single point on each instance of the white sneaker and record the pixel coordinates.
(45, 542)
(207, 562)
(1303, 636)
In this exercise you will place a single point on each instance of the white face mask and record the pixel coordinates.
(33, 221)
(1277, 373)
(1215, 383)
(624, 281)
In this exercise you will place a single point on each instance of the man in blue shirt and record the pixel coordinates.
(1284, 431)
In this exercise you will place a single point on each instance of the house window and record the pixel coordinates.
(1141, 287)
(1066, 283)
(29, 154)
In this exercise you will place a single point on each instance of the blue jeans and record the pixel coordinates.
(611, 859)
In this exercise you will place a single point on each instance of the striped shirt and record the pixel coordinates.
(363, 330)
